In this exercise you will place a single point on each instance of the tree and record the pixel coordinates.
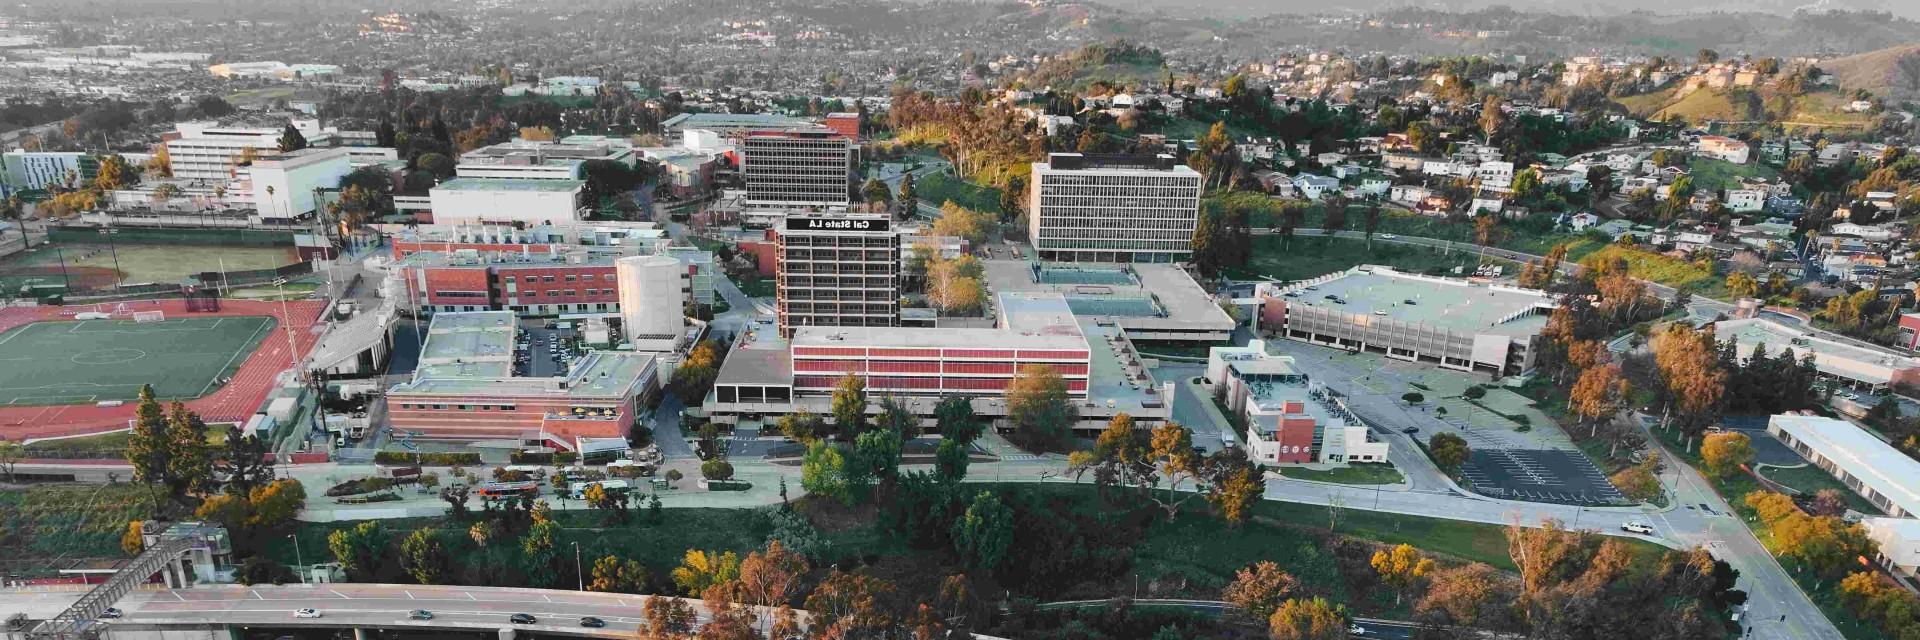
(1402, 567)
(1370, 223)
(1449, 450)
(771, 577)
(1463, 594)
(1315, 619)
(358, 549)
(1259, 589)
(955, 419)
(950, 461)
(1742, 285)
(823, 472)
(850, 406)
(1689, 367)
(908, 196)
(189, 457)
(10, 454)
(611, 574)
(247, 462)
(1038, 405)
(1234, 492)
(276, 504)
(438, 165)
(956, 221)
(292, 140)
(147, 446)
(1598, 394)
(875, 455)
(132, 539)
(1413, 397)
(666, 618)
(1492, 117)
(694, 377)
(716, 469)
(1726, 453)
(699, 570)
(1171, 451)
(539, 551)
(876, 191)
(848, 605)
(984, 532)
(424, 557)
(1707, 56)
(802, 426)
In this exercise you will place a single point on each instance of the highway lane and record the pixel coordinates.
(345, 605)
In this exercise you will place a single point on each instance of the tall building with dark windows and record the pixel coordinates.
(1113, 208)
(798, 168)
(838, 270)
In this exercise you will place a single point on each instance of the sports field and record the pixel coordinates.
(75, 362)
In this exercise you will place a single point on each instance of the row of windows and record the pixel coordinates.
(570, 278)
(460, 407)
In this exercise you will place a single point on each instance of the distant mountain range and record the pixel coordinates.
(1254, 8)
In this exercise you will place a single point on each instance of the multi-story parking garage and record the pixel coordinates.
(1454, 323)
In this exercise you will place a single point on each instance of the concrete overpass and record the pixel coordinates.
(214, 612)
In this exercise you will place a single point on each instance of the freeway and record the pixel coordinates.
(371, 605)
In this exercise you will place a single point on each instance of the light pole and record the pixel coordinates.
(297, 557)
(579, 580)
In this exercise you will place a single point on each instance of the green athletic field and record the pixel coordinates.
(75, 362)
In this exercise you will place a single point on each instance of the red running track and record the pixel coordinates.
(233, 402)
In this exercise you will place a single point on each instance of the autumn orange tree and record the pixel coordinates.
(1690, 370)
(1598, 395)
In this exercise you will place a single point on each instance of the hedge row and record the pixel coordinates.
(430, 459)
(544, 457)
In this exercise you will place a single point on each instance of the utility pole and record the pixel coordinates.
(297, 557)
(579, 580)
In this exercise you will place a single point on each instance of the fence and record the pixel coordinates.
(146, 235)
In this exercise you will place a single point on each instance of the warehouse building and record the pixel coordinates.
(1868, 465)
(1454, 323)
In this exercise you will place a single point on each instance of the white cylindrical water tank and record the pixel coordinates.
(652, 306)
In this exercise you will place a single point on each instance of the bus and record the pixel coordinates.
(496, 490)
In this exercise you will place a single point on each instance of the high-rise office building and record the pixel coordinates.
(1113, 208)
(838, 270)
(798, 168)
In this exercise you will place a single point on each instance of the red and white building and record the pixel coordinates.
(465, 389)
(1290, 419)
(767, 375)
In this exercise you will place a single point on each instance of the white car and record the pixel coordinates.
(1356, 630)
(306, 613)
(1386, 236)
(1637, 527)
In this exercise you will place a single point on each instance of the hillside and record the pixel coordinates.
(1743, 105)
(1878, 71)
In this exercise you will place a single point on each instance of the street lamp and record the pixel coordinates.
(580, 581)
(297, 557)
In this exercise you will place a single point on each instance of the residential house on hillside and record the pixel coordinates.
(1722, 148)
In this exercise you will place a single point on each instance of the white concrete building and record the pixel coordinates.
(1745, 200)
(838, 270)
(1872, 468)
(22, 170)
(1113, 208)
(1899, 543)
(539, 160)
(1723, 148)
(284, 184)
(210, 151)
(507, 201)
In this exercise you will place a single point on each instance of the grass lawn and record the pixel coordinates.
(1527, 236)
(63, 523)
(106, 443)
(1304, 257)
(1358, 473)
(1710, 175)
(756, 287)
(93, 360)
(140, 263)
(1667, 270)
(938, 188)
(1810, 479)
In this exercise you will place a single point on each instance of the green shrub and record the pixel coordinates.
(430, 459)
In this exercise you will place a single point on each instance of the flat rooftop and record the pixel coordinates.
(1874, 462)
(1830, 356)
(1451, 304)
(1138, 297)
(511, 184)
(760, 357)
(472, 344)
(471, 353)
(732, 120)
(1028, 320)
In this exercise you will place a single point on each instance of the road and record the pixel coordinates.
(1369, 627)
(378, 605)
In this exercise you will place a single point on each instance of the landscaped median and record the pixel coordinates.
(1359, 473)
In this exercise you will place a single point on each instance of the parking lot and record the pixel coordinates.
(542, 352)
(1540, 475)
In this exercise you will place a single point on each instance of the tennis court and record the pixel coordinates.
(86, 361)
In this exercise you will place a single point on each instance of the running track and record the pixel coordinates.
(231, 403)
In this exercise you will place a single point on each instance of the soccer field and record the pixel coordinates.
(86, 361)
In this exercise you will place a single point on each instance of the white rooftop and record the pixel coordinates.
(1875, 463)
